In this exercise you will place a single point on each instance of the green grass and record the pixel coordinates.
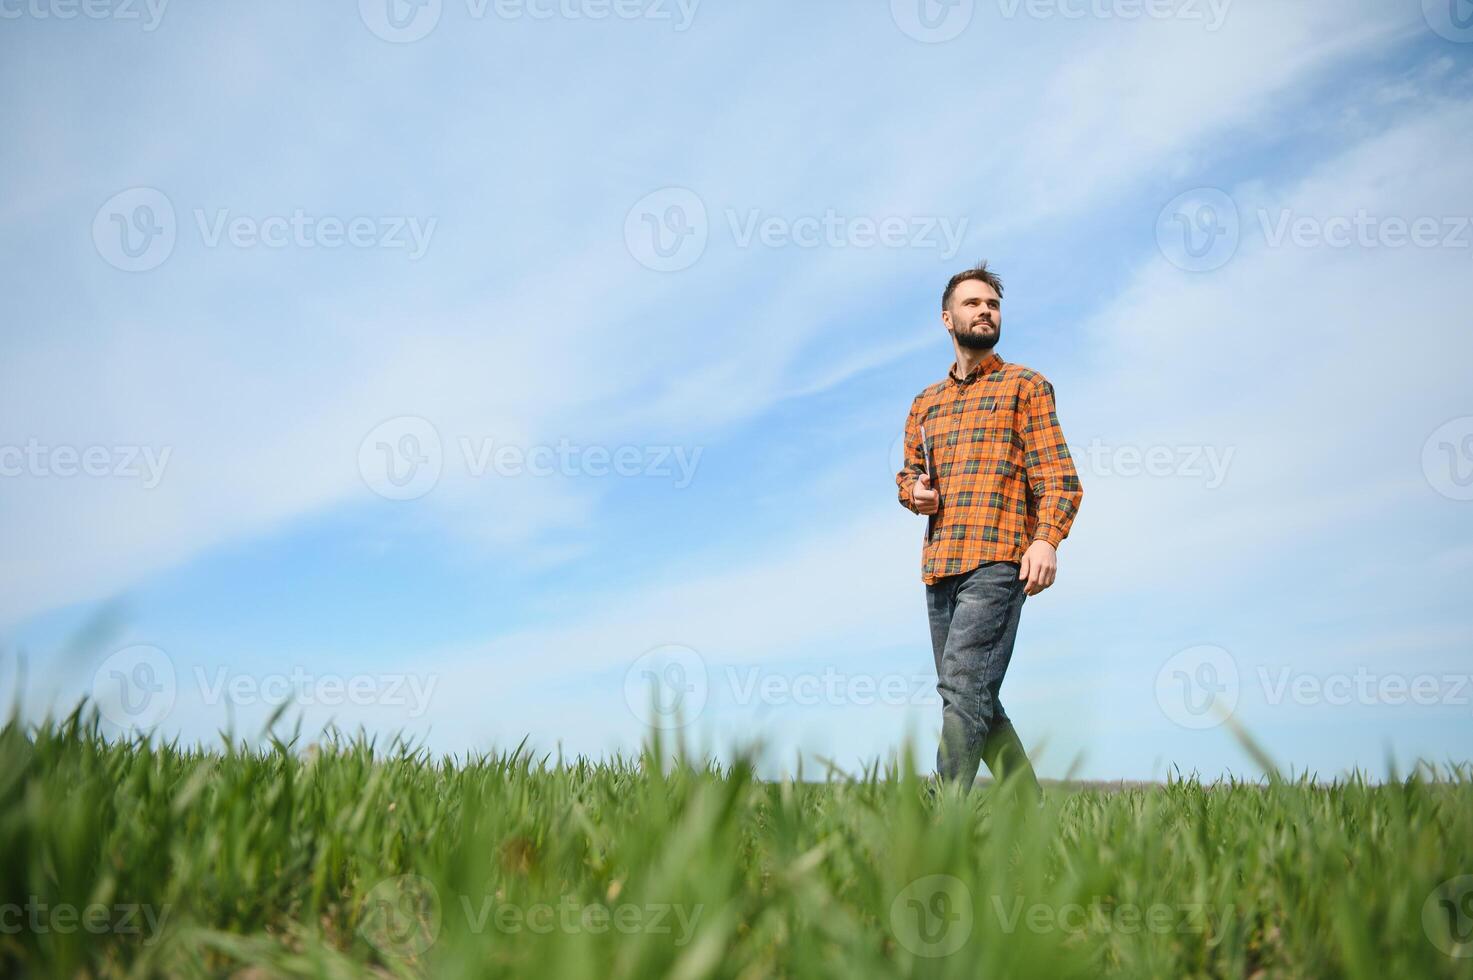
(350, 859)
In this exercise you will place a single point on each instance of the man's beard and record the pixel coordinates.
(977, 341)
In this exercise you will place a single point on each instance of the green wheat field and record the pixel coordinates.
(343, 858)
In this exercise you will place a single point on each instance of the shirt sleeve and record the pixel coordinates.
(1052, 478)
(914, 459)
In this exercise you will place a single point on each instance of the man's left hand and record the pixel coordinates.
(1039, 566)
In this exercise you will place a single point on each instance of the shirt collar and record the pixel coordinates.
(989, 364)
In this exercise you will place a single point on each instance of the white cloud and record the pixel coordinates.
(1322, 368)
(577, 340)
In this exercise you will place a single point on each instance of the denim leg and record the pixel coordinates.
(974, 623)
(1005, 757)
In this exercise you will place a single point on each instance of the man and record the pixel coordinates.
(999, 489)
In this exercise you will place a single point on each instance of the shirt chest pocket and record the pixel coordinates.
(987, 443)
(975, 436)
(987, 438)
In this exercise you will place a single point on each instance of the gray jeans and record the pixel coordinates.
(974, 621)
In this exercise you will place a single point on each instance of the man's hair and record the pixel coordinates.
(980, 273)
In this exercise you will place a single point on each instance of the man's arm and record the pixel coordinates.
(914, 458)
(1051, 474)
(1054, 484)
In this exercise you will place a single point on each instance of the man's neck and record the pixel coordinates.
(967, 359)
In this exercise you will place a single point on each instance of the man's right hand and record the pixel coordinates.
(926, 500)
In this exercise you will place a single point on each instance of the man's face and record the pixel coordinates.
(974, 316)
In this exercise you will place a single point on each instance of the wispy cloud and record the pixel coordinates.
(531, 319)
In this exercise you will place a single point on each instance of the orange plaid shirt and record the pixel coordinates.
(1005, 476)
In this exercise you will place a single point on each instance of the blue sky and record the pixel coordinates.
(1234, 235)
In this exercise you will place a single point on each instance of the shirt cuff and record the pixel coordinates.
(1049, 533)
(906, 489)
